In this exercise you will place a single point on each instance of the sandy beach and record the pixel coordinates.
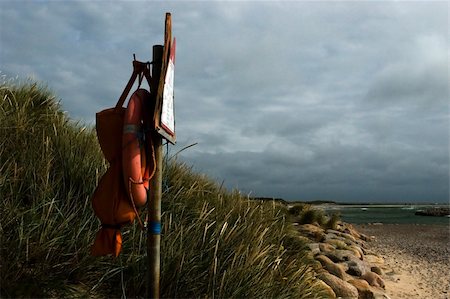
(417, 259)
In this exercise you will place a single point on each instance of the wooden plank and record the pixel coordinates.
(164, 64)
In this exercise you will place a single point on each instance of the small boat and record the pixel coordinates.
(364, 209)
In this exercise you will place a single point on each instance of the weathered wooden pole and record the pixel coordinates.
(154, 202)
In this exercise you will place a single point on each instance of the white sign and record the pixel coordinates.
(167, 111)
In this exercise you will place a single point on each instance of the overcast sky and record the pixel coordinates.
(344, 101)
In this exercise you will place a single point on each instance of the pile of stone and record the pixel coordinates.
(347, 268)
(439, 212)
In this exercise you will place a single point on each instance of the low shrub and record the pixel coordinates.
(333, 220)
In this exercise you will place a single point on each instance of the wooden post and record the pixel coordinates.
(154, 202)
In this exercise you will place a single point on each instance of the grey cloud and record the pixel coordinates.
(362, 174)
(305, 100)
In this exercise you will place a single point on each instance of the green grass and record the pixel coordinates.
(215, 243)
(306, 214)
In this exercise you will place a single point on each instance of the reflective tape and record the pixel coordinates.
(133, 129)
(154, 227)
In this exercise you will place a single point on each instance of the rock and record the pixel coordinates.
(364, 237)
(363, 287)
(368, 251)
(373, 259)
(376, 269)
(343, 235)
(325, 247)
(331, 267)
(316, 265)
(357, 251)
(344, 266)
(332, 231)
(311, 231)
(380, 295)
(357, 267)
(339, 255)
(327, 290)
(434, 212)
(314, 247)
(349, 229)
(373, 279)
(348, 236)
(330, 236)
(339, 244)
(361, 243)
(340, 287)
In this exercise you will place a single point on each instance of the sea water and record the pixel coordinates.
(385, 214)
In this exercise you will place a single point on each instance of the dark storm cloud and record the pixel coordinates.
(301, 100)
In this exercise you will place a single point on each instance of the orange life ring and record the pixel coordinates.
(135, 163)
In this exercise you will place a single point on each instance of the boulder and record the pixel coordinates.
(380, 294)
(314, 247)
(327, 290)
(348, 236)
(373, 279)
(434, 212)
(310, 228)
(311, 231)
(343, 235)
(340, 255)
(339, 244)
(361, 244)
(316, 265)
(374, 259)
(332, 231)
(376, 269)
(349, 229)
(368, 251)
(363, 287)
(325, 247)
(340, 287)
(357, 267)
(331, 267)
(344, 266)
(330, 236)
(364, 237)
(357, 251)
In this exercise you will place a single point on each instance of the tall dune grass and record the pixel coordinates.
(215, 243)
(49, 167)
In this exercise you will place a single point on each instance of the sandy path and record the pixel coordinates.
(417, 259)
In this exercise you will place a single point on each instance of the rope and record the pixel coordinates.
(124, 296)
(130, 180)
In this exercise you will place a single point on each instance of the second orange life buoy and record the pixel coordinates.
(137, 166)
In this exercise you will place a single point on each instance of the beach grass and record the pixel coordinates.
(215, 242)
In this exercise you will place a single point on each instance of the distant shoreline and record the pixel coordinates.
(381, 205)
(389, 214)
(321, 203)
